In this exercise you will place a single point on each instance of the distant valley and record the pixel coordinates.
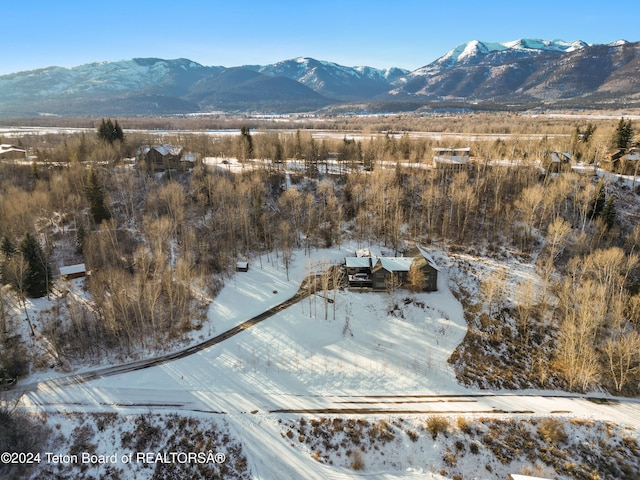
(518, 75)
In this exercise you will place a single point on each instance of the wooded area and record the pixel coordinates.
(160, 246)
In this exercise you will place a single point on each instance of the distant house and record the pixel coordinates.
(11, 152)
(631, 162)
(378, 272)
(612, 159)
(557, 162)
(73, 271)
(160, 158)
(625, 162)
(451, 157)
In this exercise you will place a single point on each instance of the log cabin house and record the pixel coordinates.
(160, 158)
(377, 272)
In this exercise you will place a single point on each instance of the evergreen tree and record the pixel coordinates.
(246, 144)
(81, 234)
(588, 133)
(7, 247)
(598, 203)
(95, 196)
(609, 213)
(623, 135)
(38, 270)
(110, 132)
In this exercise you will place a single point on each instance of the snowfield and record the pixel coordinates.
(373, 356)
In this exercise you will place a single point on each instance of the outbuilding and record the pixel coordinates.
(73, 271)
(242, 266)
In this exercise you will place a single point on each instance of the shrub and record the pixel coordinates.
(551, 430)
(450, 459)
(413, 435)
(357, 460)
(437, 424)
(464, 425)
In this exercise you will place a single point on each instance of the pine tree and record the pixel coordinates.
(110, 132)
(38, 273)
(588, 133)
(623, 134)
(609, 213)
(7, 247)
(81, 234)
(95, 196)
(246, 144)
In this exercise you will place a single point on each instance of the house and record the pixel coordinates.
(11, 152)
(625, 162)
(387, 269)
(630, 164)
(613, 159)
(73, 271)
(557, 162)
(429, 268)
(451, 157)
(381, 273)
(160, 158)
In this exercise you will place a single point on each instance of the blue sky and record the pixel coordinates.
(408, 34)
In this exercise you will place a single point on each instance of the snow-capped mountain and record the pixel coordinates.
(475, 52)
(523, 72)
(333, 80)
(528, 72)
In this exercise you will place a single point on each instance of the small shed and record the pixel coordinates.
(73, 271)
(242, 266)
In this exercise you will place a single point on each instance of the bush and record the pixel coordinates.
(413, 435)
(551, 430)
(357, 460)
(437, 424)
(464, 425)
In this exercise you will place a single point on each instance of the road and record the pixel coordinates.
(79, 392)
(94, 374)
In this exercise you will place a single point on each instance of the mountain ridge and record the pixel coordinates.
(524, 71)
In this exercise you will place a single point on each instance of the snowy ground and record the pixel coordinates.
(378, 356)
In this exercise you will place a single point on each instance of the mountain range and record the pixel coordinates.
(522, 74)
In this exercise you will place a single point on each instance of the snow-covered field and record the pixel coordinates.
(377, 356)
